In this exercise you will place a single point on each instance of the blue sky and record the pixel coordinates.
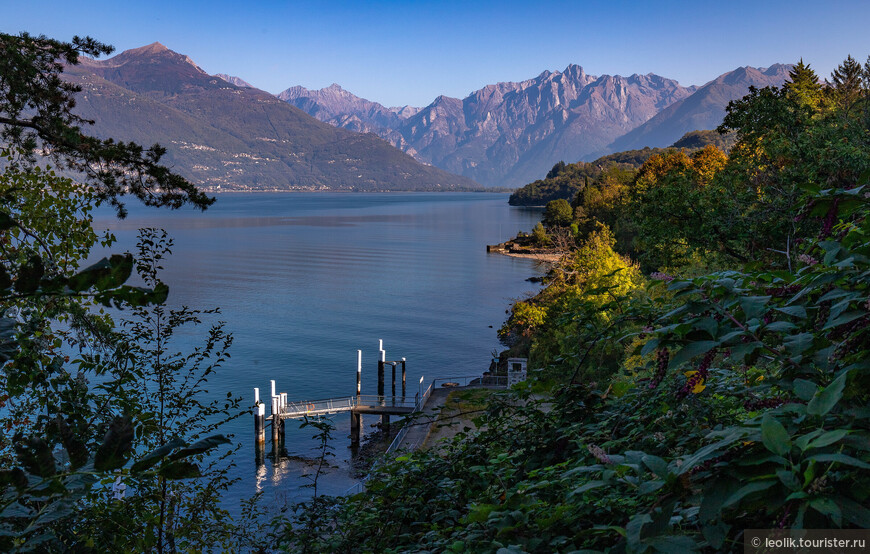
(409, 52)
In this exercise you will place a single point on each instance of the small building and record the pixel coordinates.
(517, 370)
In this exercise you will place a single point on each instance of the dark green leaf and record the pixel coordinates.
(6, 221)
(824, 400)
(840, 458)
(805, 389)
(200, 446)
(774, 436)
(828, 438)
(828, 507)
(691, 350)
(117, 443)
(29, 275)
(35, 456)
(798, 344)
(157, 454)
(844, 318)
(746, 490)
(795, 311)
(854, 512)
(754, 306)
(179, 469)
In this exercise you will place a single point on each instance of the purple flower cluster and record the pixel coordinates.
(662, 358)
(659, 276)
(599, 454)
(807, 259)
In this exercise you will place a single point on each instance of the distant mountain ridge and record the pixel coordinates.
(507, 133)
(705, 109)
(221, 134)
(511, 133)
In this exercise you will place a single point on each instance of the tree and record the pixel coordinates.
(557, 170)
(558, 213)
(69, 377)
(36, 118)
(847, 82)
(803, 85)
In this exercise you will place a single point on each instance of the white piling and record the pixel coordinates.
(358, 372)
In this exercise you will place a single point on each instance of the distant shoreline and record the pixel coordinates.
(341, 191)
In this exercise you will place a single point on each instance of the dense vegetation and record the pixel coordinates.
(564, 181)
(714, 381)
(700, 354)
(91, 406)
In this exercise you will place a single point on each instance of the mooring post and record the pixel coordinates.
(385, 426)
(259, 418)
(276, 423)
(358, 374)
(403, 379)
(381, 363)
(355, 424)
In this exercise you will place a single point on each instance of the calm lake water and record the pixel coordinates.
(304, 280)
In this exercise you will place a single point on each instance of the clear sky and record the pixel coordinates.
(408, 52)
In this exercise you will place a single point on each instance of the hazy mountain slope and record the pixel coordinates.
(705, 109)
(218, 133)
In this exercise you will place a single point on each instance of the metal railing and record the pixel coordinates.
(419, 402)
(488, 381)
(317, 407)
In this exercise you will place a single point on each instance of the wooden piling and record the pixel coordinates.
(259, 418)
(403, 378)
(381, 362)
(355, 425)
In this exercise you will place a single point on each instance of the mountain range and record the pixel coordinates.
(220, 131)
(509, 134)
(222, 134)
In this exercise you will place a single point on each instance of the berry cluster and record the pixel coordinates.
(763, 404)
(662, 358)
(782, 292)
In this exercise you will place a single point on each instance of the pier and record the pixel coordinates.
(397, 403)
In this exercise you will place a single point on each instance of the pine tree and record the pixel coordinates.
(803, 84)
(847, 82)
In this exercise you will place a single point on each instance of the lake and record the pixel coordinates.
(305, 280)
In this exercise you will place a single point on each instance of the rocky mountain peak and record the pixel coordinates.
(238, 81)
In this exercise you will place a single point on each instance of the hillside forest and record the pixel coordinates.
(699, 356)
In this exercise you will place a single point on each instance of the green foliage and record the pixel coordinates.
(565, 182)
(85, 403)
(540, 236)
(695, 140)
(673, 416)
(558, 213)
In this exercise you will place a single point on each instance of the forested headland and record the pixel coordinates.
(699, 356)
